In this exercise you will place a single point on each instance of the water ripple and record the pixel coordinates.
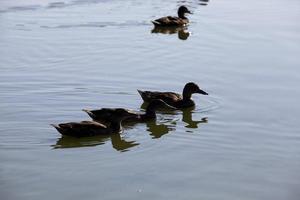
(98, 24)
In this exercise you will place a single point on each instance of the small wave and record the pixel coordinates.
(208, 105)
(193, 3)
(57, 5)
(98, 25)
(51, 5)
(75, 26)
(21, 8)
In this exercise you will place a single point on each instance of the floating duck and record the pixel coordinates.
(181, 20)
(174, 99)
(90, 128)
(106, 115)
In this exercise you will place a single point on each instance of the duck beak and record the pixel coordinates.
(202, 92)
(189, 12)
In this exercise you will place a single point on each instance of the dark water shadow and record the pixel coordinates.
(182, 32)
(158, 130)
(120, 144)
(117, 142)
(187, 118)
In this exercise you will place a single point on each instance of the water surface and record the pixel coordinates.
(240, 142)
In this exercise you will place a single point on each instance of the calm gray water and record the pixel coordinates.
(240, 142)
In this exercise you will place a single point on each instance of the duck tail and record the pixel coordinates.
(57, 127)
(89, 113)
(146, 95)
(140, 92)
(143, 94)
(54, 125)
(63, 129)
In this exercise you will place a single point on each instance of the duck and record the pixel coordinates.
(105, 115)
(174, 99)
(92, 128)
(181, 20)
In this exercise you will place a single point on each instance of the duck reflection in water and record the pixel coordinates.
(158, 130)
(187, 118)
(118, 143)
(182, 31)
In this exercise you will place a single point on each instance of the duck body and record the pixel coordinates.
(82, 129)
(105, 115)
(170, 21)
(91, 128)
(174, 99)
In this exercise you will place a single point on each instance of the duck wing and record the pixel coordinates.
(92, 124)
(79, 129)
(168, 97)
(105, 115)
(168, 21)
(82, 126)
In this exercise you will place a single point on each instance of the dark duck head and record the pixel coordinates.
(182, 10)
(191, 88)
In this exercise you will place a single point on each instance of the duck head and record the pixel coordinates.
(182, 10)
(191, 88)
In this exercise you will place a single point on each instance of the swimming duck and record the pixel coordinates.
(105, 115)
(174, 99)
(91, 128)
(181, 20)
